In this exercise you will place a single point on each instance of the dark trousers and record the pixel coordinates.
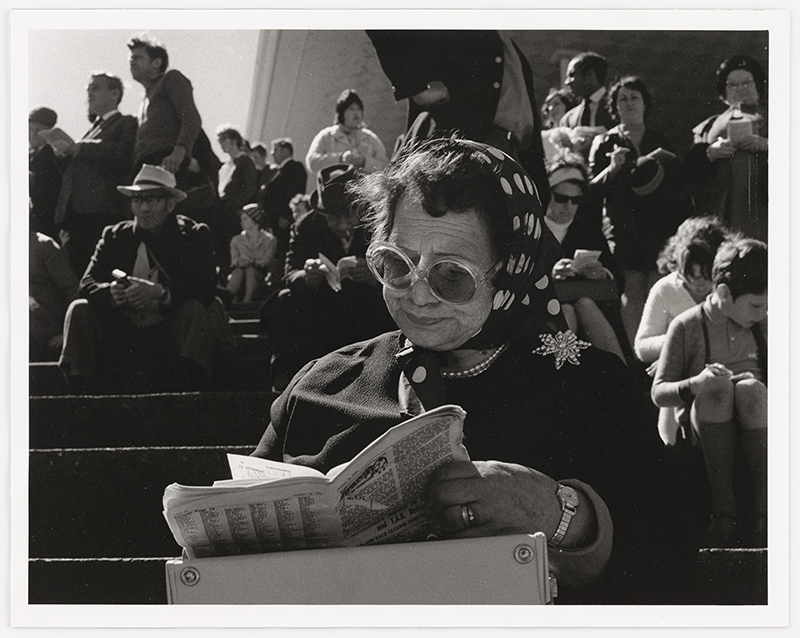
(111, 354)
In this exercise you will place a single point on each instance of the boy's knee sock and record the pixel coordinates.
(719, 448)
(754, 448)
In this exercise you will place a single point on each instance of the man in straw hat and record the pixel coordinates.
(147, 318)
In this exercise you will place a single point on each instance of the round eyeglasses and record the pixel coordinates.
(449, 280)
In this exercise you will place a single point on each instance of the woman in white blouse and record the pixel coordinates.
(688, 257)
(348, 141)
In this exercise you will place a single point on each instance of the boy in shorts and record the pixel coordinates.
(713, 368)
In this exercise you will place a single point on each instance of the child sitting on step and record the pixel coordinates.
(713, 367)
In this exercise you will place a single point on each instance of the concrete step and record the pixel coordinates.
(244, 310)
(197, 419)
(251, 345)
(245, 368)
(106, 502)
(725, 577)
(98, 581)
(246, 326)
(45, 379)
(731, 577)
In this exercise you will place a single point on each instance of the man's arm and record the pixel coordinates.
(670, 386)
(96, 281)
(405, 59)
(178, 90)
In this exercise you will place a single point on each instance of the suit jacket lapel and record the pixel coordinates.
(98, 127)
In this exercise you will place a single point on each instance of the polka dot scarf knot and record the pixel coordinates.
(525, 302)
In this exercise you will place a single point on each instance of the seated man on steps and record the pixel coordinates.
(322, 306)
(148, 319)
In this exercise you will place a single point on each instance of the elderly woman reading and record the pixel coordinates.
(555, 427)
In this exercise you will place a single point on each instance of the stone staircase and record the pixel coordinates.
(247, 368)
(98, 466)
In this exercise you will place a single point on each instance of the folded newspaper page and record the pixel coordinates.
(332, 275)
(267, 506)
(57, 138)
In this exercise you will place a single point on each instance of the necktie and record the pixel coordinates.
(95, 128)
(586, 115)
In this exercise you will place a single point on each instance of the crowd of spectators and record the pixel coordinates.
(140, 230)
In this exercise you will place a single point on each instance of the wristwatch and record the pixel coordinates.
(569, 506)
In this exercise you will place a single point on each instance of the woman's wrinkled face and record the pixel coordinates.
(424, 320)
(740, 88)
(353, 117)
(630, 106)
(564, 200)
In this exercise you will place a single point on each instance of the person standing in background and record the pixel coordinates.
(476, 82)
(348, 141)
(728, 162)
(586, 77)
(170, 129)
(93, 168)
(44, 175)
(286, 180)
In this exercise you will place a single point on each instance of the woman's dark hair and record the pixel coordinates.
(346, 98)
(152, 47)
(591, 61)
(446, 176)
(226, 131)
(696, 242)
(744, 63)
(634, 83)
(741, 263)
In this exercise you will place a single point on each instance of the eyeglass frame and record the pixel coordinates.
(576, 201)
(478, 277)
(737, 85)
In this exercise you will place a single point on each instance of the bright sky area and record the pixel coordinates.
(220, 65)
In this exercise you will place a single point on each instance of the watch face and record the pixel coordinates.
(568, 495)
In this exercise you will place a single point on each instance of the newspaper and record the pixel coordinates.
(662, 155)
(332, 275)
(376, 498)
(58, 139)
(583, 257)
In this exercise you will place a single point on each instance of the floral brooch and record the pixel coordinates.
(564, 345)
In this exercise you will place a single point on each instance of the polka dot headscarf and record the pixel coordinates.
(526, 302)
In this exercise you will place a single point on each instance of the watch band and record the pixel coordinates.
(569, 506)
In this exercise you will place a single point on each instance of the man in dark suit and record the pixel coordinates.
(44, 175)
(286, 179)
(93, 168)
(476, 82)
(586, 77)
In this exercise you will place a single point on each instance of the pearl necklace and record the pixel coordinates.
(475, 370)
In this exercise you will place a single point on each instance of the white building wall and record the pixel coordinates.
(299, 75)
